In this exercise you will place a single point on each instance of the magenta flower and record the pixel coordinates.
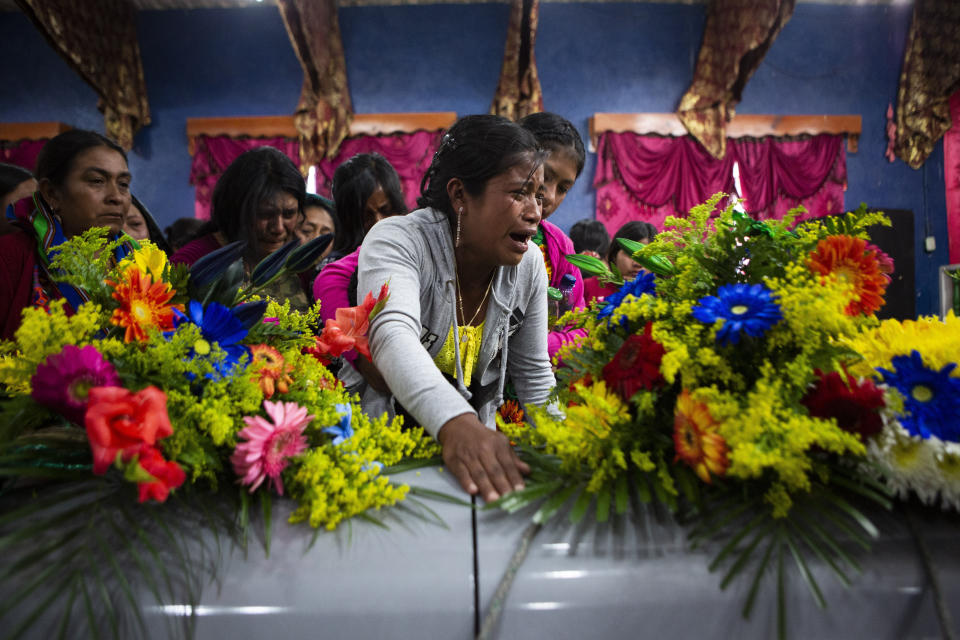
(269, 446)
(64, 381)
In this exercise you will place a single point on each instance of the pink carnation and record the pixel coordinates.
(270, 445)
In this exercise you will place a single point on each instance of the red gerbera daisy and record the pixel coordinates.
(696, 439)
(636, 365)
(854, 261)
(854, 405)
(143, 304)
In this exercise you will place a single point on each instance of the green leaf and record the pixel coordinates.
(440, 496)
(410, 465)
(55, 591)
(837, 550)
(434, 516)
(757, 578)
(580, 506)
(106, 602)
(854, 513)
(372, 520)
(825, 557)
(710, 526)
(744, 556)
(842, 524)
(880, 498)
(92, 626)
(631, 246)
(621, 496)
(267, 505)
(244, 519)
(805, 571)
(589, 264)
(135, 554)
(68, 609)
(516, 500)
(553, 504)
(735, 540)
(603, 504)
(781, 597)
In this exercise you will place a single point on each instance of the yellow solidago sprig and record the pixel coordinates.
(333, 482)
(42, 334)
(772, 440)
(596, 436)
(283, 327)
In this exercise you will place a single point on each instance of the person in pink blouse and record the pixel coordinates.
(562, 167)
(366, 189)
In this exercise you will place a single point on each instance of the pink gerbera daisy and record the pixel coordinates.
(270, 445)
(64, 381)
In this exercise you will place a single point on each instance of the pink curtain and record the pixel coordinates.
(951, 178)
(213, 154)
(650, 177)
(22, 153)
(409, 153)
(778, 175)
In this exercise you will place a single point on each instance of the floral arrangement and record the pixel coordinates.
(187, 382)
(722, 383)
(916, 447)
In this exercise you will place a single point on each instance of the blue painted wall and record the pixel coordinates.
(617, 57)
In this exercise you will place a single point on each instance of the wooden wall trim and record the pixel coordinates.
(363, 124)
(13, 131)
(742, 126)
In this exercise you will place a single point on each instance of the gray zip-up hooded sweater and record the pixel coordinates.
(414, 253)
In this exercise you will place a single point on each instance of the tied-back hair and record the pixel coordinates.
(56, 157)
(10, 177)
(255, 176)
(475, 149)
(590, 235)
(354, 182)
(635, 230)
(555, 132)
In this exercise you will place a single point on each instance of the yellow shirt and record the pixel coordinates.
(470, 338)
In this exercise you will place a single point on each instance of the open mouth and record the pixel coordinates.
(523, 237)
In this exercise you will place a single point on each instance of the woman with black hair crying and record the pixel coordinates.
(468, 299)
(257, 200)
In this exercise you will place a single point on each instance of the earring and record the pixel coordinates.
(459, 213)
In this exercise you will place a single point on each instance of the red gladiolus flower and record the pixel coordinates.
(349, 329)
(119, 420)
(854, 405)
(636, 365)
(166, 475)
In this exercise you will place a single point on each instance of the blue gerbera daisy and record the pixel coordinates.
(931, 398)
(744, 308)
(218, 324)
(645, 282)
